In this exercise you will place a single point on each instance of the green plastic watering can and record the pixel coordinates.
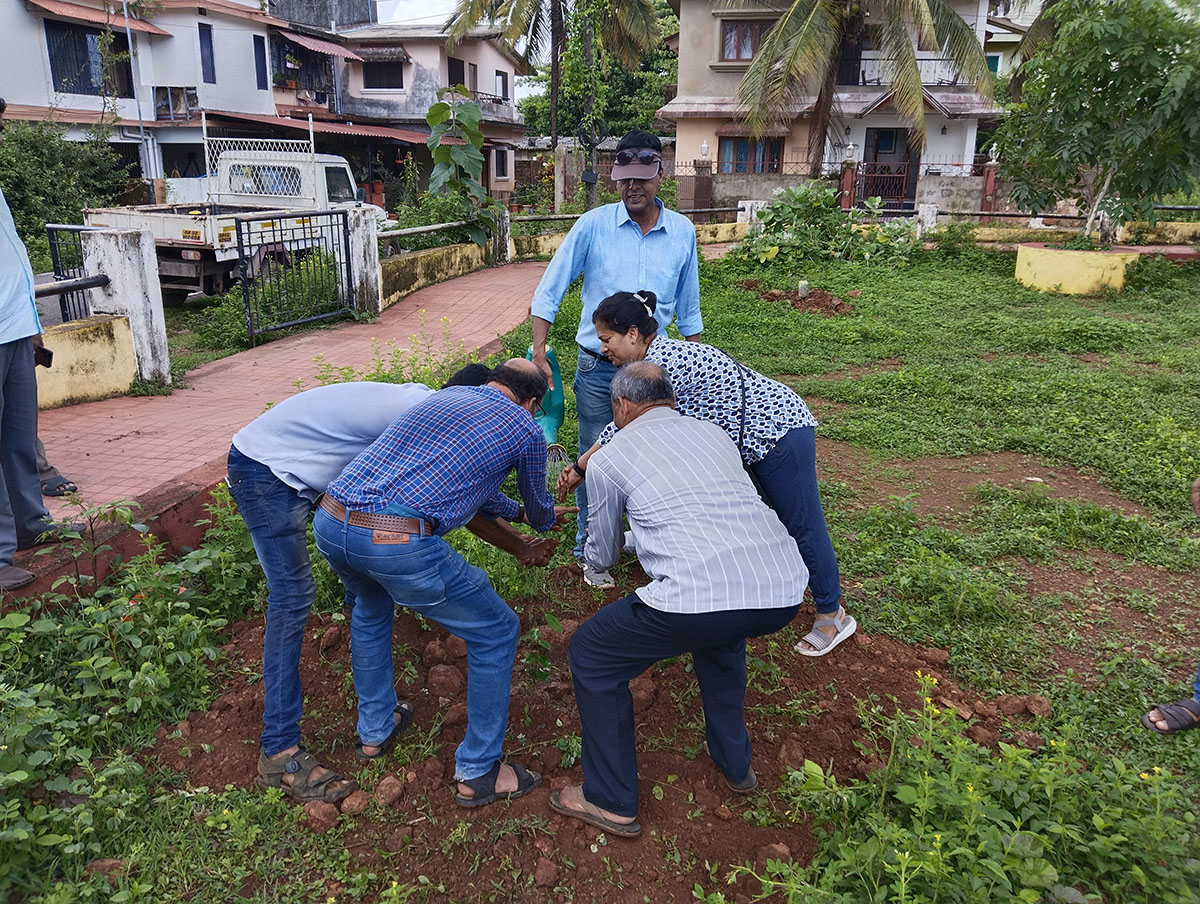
(553, 408)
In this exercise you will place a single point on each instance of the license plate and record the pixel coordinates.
(191, 235)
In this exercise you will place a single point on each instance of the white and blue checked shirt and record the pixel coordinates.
(700, 530)
(608, 248)
(446, 459)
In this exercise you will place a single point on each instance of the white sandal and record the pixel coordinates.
(823, 643)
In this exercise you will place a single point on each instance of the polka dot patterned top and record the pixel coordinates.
(708, 387)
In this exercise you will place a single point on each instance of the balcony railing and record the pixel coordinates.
(480, 98)
(175, 103)
(935, 71)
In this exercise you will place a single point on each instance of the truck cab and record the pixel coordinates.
(280, 181)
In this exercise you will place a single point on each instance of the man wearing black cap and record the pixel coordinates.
(634, 244)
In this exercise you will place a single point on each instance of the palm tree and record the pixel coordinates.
(626, 28)
(799, 57)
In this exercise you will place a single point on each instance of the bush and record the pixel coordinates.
(47, 179)
(948, 820)
(807, 222)
(431, 209)
(85, 676)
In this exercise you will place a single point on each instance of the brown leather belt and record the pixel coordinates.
(392, 523)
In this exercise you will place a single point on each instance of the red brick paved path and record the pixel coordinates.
(126, 447)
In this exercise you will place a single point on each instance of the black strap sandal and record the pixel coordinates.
(485, 786)
(404, 710)
(1179, 716)
(330, 787)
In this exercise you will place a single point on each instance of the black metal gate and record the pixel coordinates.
(66, 254)
(294, 268)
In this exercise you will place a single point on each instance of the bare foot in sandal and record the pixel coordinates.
(307, 780)
(571, 802)
(501, 782)
(827, 632)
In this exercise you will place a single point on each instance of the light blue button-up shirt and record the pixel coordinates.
(608, 248)
(18, 314)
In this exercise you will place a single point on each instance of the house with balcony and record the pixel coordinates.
(76, 61)
(397, 69)
(717, 42)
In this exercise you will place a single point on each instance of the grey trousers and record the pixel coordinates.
(22, 512)
(46, 471)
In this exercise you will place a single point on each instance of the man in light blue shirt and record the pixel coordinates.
(634, 244)
(23, 515)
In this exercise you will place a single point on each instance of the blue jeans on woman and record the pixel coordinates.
(428, 577)
(594, 408)
(277, 516)
(787, 477)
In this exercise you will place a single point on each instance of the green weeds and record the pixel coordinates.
(946, 820)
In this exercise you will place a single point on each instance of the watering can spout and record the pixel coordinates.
(554, 404)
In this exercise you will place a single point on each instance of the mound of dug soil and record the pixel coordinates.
(403, 822)
(818, 301)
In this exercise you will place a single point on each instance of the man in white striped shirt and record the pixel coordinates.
(722, 568)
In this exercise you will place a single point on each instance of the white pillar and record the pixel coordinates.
(927, 218)
(364, 260)
(127, 257)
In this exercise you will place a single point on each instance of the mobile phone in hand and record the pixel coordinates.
(43, 356)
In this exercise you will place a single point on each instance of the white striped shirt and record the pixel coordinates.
(700, 530)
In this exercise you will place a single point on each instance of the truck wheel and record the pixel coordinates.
(174, 298)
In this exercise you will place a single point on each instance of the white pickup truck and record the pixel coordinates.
(197, 243)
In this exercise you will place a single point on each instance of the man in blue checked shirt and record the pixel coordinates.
(380, 524)
(633, 244)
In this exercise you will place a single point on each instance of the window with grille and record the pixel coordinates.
(77, 65)
(747, 155)
(501, 163)
(739, 40)
(383, 75)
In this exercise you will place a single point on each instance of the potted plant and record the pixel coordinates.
(1105, 116)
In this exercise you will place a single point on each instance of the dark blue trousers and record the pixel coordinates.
(627, 637)
(787, 478)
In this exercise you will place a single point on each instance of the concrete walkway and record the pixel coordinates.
(127, 448)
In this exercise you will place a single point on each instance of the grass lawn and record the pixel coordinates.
(1005, 475)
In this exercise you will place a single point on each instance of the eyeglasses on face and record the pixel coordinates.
(640, 155)
(539, 411)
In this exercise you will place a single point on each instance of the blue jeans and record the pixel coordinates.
(430, 578)
(22, 513)
(277, 517)
(594, 407)
(627, 637)
(1196, 686)
(787, 477)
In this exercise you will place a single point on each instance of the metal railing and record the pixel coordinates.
(66, 256)
(294, 268)
(48, 290)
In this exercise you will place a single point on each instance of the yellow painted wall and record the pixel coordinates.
(525, 246)
(403, 274)
(717, 233)
(1071, 272)
(93, 359)
(1165, 233)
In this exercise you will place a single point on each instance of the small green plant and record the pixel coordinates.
(946, 820)
(459, 167)
(571, 748)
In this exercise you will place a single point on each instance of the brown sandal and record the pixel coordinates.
(300, 766)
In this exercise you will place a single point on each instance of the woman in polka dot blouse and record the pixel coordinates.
(771, 425)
